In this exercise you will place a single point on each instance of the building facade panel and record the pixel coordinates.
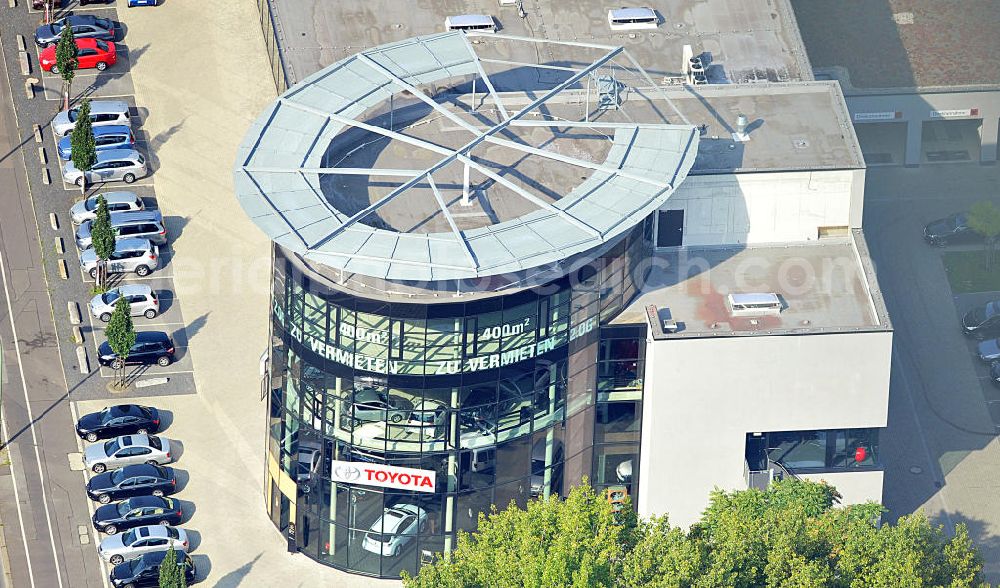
(766, 383)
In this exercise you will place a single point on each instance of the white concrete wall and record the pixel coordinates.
(766, 207)
(703, 396)
(854, 487)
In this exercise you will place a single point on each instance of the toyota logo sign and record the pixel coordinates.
(346, 473)
(383, 476)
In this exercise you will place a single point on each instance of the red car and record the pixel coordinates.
(89, 53)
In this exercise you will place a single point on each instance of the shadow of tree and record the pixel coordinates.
(235, 577)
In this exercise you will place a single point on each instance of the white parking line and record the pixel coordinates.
(31, 424)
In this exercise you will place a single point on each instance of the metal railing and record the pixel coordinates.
(272, 34)
(762, 479)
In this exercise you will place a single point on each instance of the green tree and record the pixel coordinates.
(579, 542)
(121, 336)
(171, 574)
(66, 62)
(102, 236)
(793, 534)
(83, 149)
(984, 218)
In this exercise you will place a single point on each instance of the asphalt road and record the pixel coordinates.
(44, 506)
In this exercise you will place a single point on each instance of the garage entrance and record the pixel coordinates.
(882, 143)
(950, 140)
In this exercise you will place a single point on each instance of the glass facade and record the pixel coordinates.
(504, 399)
(820, 450)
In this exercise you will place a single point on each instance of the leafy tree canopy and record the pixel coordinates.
(66, 53)
(790, 535)
(83, 149)
(120, 331)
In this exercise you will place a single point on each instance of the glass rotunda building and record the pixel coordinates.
(455, 221)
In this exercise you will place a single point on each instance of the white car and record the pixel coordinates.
(140, 540)
(127, 450)
(397, 526)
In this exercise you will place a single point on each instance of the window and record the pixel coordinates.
(823, 449)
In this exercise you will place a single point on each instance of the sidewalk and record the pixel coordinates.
(202, 89)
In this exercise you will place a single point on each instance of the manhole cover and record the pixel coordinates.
(916, 470)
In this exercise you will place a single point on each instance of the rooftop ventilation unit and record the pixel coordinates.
(751, 305)
(623, 19)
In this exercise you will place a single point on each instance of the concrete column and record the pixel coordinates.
(914, 139)
(988, 138)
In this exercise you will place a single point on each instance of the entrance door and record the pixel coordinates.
(670, 229)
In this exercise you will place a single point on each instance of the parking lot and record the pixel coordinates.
(941, 449)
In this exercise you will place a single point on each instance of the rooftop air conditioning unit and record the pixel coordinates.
(756, 304)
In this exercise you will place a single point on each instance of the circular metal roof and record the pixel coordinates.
(284, 165)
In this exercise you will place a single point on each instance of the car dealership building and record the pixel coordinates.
(497, 274)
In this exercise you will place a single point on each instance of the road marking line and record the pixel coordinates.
(17, 500)
(90, 503)
(31, 422)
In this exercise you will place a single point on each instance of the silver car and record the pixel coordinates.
(140, 540)
(141, 224)
(86, 210)
(140, 297)
(127, 450)
(130, 255)
(102, 113)
(394, 529)
(126, 165)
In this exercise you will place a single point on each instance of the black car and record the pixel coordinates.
(121, 419)
(951, 229)
(982, 322)
(145, 570)
(134, 480)
(150, 347)
(85, 26)
(136, 512)
(995, 372)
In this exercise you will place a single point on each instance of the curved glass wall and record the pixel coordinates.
(496, 396)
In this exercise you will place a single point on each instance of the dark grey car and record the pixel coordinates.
(85, 26)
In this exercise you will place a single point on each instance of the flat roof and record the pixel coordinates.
(375, 165)
(824, 286)
(904, 43)
(792, 126)
(743, 40)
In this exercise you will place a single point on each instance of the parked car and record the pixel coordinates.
(139, 224)
(145, 571)
(90, 54)
(430, 418)
(109, 137)
(397, 526)
(85, 26)
(989, 350)
(136, 512)
(983, 321)
(86, 209)
(995, 372)
(121, 419)
(950, 229)
(102, 113)
(126, 165)
(130, 255)
(141, 300)
(132, 3)
(309, 460)
(372, 405)
(150, 347)
(134, 480)
(127, 450)
(142, 540)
